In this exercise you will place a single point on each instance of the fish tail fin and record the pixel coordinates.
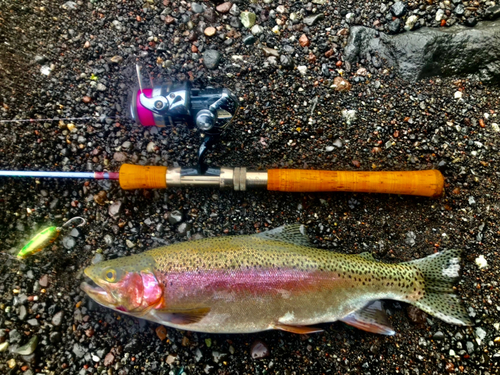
(440, 272)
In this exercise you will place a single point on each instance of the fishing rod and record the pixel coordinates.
(428, 183)
(211, 110)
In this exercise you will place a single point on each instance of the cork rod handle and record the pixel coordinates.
(428, 183)
(142, 177)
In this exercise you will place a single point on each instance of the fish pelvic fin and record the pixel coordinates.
(440, 272)
(371, 318)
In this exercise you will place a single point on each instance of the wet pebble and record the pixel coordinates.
(259, 349)
(115, 209)
(68, 242)
(175, 217)
(29, 347)
(211, 58)
(57, 319)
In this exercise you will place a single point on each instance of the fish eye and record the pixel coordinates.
(110, 275)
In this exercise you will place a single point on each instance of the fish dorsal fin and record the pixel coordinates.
(180, 316)
(371, 318)
(291, 233)
(368, 256)
(301, 330)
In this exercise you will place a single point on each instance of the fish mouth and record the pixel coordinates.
(97, 293)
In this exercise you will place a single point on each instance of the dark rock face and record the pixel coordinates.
(433, 52)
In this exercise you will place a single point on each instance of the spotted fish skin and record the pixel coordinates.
(272, 280)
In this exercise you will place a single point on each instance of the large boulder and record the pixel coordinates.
(427, 52)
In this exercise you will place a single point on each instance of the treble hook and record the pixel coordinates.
(75, 218)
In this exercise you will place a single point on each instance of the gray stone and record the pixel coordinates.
(197, 8)
(249, 40)
(493, 12)
(68, 242)
(399, 9)
(115, 209)
(430, 52)
(101, 87)
(459, 10)
(394, 26)
(175, 217)
(211, 58)
(311, 20)
(286, 62)
(57, 319)
(29, 347)
(22, 312)
(14, 336)
(55, 337)
(79, 350)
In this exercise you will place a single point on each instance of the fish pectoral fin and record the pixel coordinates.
(180, 316)
(291, 233)
(301, 330)
(371, 318)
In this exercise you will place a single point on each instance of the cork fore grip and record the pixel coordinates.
(427, 183)
(142, 177)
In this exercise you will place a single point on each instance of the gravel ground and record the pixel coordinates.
(77, 59)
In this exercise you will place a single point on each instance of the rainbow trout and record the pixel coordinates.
(271, 280)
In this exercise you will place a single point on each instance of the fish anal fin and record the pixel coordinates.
(301, 330)
(371, 318)
(180, 316)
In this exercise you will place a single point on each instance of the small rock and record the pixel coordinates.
(410, 22)
(257, 29)
(410, 238)
(259, 349)
(161, 332)
(341, 84)
(349, 115)
(438, 335)
(45, 70)
(459, 10)
(109, 359)
(302, 69)
(151, 147)
(286, 62)
(22, 312)
(270, 52)
(57, 319)
(129, 244)
(247, 19)
(79, 350)
(439, 15)
(119, 156)
(493, 12)
(183, 228)
(116, 59)
(210, 31)
(495, 127)
(68, 242)
(197, 8)
(44, 281)
(39, 59)
(235, 11)
(115, 209)
(29, 347)
(86, 99)
(211, 58)
(69, 5)
(224, 7)
(311, 20)
(4, 346)
(101, 87)
(14, 336)
(175, 217)
(249, 40)
(472, 200)
(394, 26)
(100, 198)
(399, 9)
(304, 41)
(481, 262)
